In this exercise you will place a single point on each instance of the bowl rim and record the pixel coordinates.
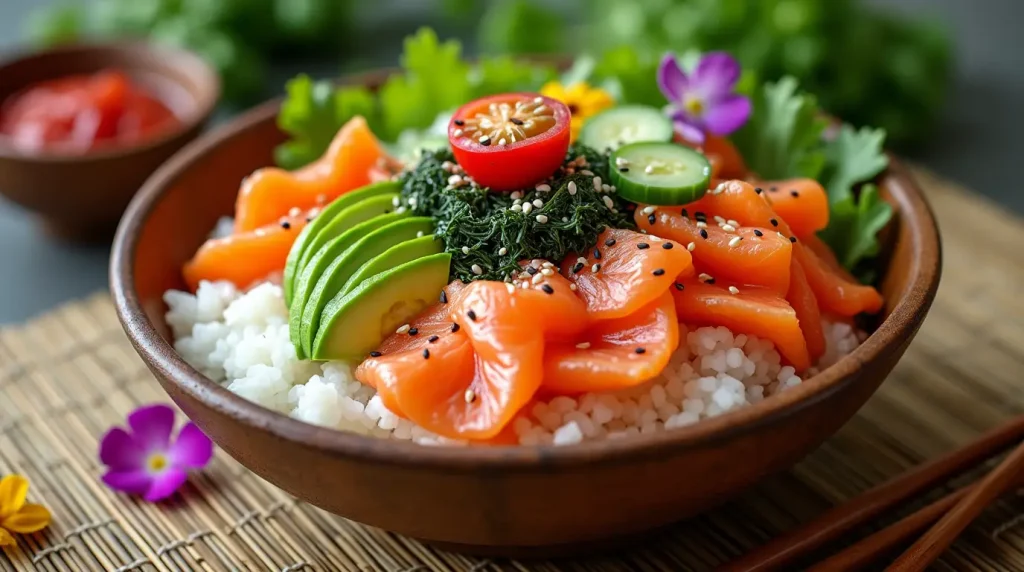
(188, 62)
(161, 357)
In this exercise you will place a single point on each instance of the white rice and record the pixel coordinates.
(241, 341)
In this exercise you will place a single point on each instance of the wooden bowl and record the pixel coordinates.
(507, 500)
(82, 196)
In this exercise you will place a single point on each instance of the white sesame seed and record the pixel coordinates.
(402, 329)
(538, 99)
(455, 180)
(704, 277)
(728, 228)
(511, 289)
(649, 169)
(457, 133)
(517, 208)
(719, 219)
(583, 345)
(502, 251)
(734, 290)
(538, 203)
(597, 183)
(702, 224)
(502, 141)
(608, 202)
(537, 278)
(419, 234)
(483, 138)
(606, 188)
(400, 210)
(735, 240)
(565, 219)
(476, 269)
(648, 210)
(447, 165)
(780, 234)
(734, 223)
(465, 250)
(543, 219)
(543, 187)
(621, 162)
(691, 246)
(572, 188)
(516, 195)
(547, 264)
(547, 272)
(572, 286)
(581, 260)
(394, 202)
(470, 396)
(595, 268)
(294, 211)
(527, 207)
(587, 172)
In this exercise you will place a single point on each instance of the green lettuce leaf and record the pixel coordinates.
(782, 139)
(854, 156)
(854, 224)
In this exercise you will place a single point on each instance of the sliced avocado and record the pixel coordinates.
(354, 323)
(398, 254)
(340, 268)
(329, 212)
(333, 249)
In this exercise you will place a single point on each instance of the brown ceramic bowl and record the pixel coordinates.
(507, 500)
(82, 196)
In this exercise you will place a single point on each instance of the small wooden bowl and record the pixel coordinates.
(82, 196)
(507, 500)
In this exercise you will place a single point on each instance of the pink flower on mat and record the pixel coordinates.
(144, 461)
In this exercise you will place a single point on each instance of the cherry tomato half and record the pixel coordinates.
(510, 141)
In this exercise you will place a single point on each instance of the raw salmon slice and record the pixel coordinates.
(801, 203)
(248, 257)
(625, 272)
(753, 311)
(615, 354)
(269, 193)
(759, 257)
(805, 304)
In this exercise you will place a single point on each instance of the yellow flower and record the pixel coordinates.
(17, 516)
(582, 100)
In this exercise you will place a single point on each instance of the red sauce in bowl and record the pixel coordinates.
(81, 113)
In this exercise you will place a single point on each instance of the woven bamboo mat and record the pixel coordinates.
(69, 375)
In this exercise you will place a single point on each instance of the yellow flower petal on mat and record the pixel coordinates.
(6, 539)
(31, 518)
(13, 489)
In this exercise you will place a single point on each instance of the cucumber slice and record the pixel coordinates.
(659, 173)
(624, 125)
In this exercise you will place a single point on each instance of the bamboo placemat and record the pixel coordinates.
(67, 376)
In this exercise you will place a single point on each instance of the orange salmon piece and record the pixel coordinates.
(760, 257)
(802, 203)
(270, 193)
(632, 270)
(805, 304)
(617, 353)
(752, 311)
(726, 161)
(248, 257)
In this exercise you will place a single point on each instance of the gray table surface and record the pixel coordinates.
(977, 144)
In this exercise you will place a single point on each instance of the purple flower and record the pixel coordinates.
(144, 461)
(703, 101)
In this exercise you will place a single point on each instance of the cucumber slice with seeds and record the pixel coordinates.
(625, 124)
(662, 174)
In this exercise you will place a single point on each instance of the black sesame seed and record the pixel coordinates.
(703, 233)
(651, 218)
(531, 270)
(486, 141)
(610, 242)
(576, 269)
(643, 246)
(666, 245)
(792, 239)
(432, 339)
(658, 271)
(375, 354)
(471, 315)
(758, 190)
(794, 193)
(426, 353)
(679, 286)
(773, 188)
(547, 289)
(710, 281)
(758, 233)
(623, 169)
(455, 327)
(700, 216)
(597, 254)
(595, 268)
(685, 214)
(459, 122)
(774, 222)
(516, 121)
(309, 219)
(286, 225)
(444, 297)
(413, 331)
(640, 350)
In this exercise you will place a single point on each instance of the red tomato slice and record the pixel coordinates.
(510, 141)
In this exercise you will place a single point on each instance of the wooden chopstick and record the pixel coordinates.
(934, 542)
(784, 550)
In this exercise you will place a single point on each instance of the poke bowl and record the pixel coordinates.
(528, 333)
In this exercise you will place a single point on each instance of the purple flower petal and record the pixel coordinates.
(152, 426)
(727, 114)
(133, 482)
(192, 450)
(120, 451)
(671, 79)
(690, 132)
(164, 484)
(716, 75)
